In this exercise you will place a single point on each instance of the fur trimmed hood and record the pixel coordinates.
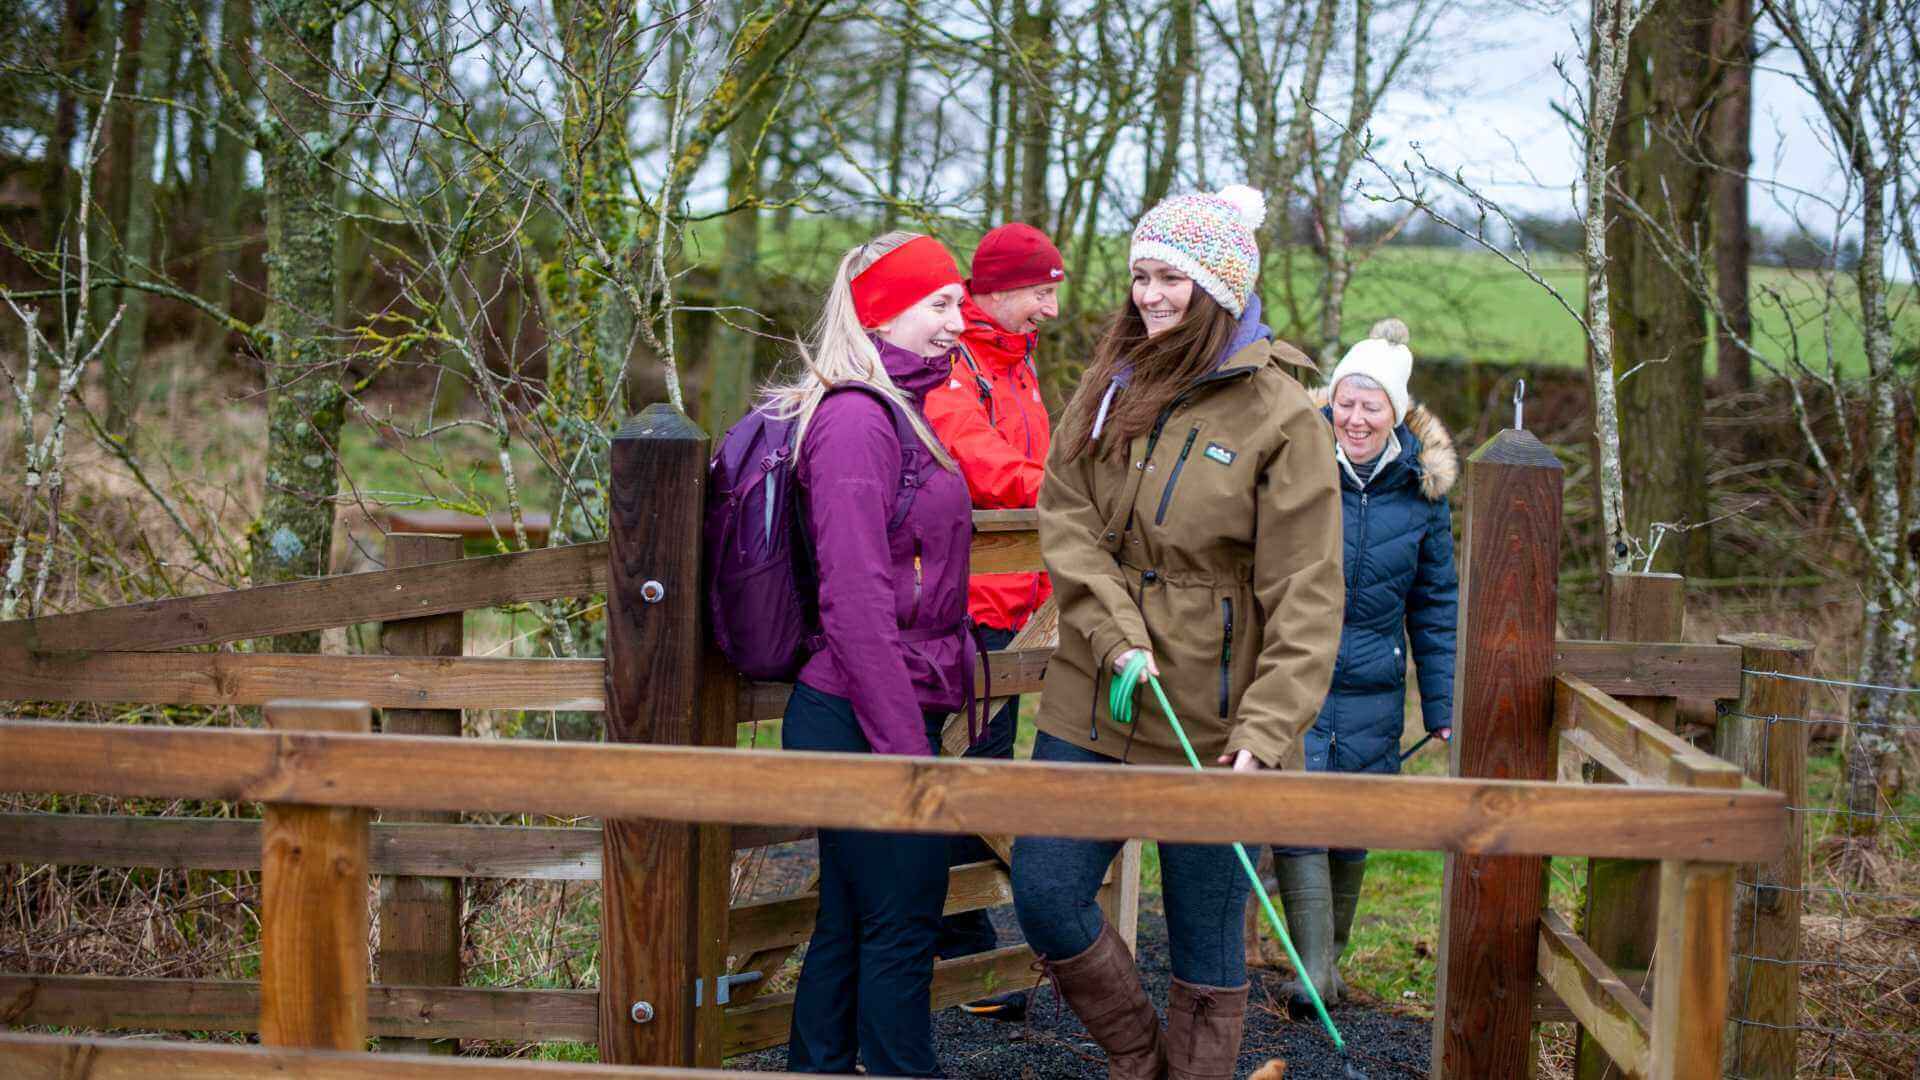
(1439, 461)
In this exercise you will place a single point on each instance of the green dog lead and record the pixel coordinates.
(1120, 703)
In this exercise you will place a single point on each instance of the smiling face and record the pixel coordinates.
(1362, 419)
(1162, 294)
(929, 327)
(1021, 311)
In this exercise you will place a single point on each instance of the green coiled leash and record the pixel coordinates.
(1120, 703)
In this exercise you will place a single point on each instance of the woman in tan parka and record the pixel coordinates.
(1191, 511)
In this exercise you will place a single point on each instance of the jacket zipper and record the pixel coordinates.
(1226, 650)
(913, 613)
(1166, 495)
(1357, 570)
(1153, 436)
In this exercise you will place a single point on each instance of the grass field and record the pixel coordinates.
(1465, 303)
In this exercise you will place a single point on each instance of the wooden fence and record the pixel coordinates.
(675, 800)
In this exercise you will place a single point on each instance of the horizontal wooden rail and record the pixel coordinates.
(893, 793)
(1013, 671)
(55, 1057)
(533, 852)
(788, 920)
(319, 603)
(1006, 542)
(768, 1020)
(386, 682)
(1637, 750)
(438, 1012)
(1599, 1000)
(1652, 668)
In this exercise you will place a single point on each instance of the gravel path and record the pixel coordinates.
(1053, 1045)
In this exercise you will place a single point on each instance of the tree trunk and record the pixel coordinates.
(226, 175)
(1732, 147)
(294, 535)
(77, 27)
(1033, 36)
(1170, 102)
(123, 359)
(897, 128)
(1659, 323)
(108, 221)
(730, 391)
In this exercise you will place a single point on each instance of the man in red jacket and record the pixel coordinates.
(991, 418)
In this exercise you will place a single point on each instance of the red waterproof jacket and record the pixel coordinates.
(991, 418)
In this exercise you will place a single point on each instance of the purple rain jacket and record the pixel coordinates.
(893, 603)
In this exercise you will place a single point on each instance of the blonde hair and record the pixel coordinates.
(839, 351)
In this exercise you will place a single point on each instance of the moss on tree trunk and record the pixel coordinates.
(294, 533)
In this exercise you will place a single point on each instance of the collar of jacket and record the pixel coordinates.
(994, 348)
(914, 374)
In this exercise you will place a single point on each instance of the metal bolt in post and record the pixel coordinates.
(652, 591)
(641, 1012)
(1519, 404)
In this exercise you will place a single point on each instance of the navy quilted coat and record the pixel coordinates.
(1402, 591)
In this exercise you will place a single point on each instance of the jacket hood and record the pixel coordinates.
(992, 346)
(1438, 461)
(912, 373)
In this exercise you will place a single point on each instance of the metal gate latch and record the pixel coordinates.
(723, 987)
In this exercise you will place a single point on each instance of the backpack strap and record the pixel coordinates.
(980, 381)
(911, 451)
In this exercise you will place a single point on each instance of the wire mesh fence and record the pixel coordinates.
(1858, 961)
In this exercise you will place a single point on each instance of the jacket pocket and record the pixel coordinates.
(1226, 653)
(1173, 478)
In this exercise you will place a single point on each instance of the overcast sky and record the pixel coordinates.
(1492, 115)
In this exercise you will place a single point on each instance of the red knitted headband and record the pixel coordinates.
(902, 278)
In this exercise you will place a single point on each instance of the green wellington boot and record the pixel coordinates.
(1306, 893)
(1346, 878)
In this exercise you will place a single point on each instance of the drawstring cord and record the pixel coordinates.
(1120, 704)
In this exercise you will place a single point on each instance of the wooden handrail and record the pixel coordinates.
(533, 852)
(1006, 542)
(1640, 751)
(903, 794)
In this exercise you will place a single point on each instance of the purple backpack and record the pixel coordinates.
(761, 588)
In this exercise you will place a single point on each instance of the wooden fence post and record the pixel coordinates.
(664, 893)
(1620, 892)
(1690, 973)
(313, 904)
(420, 917)
(1766, 737)
(1503, 728)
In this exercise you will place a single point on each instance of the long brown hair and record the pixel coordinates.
(1163, 366)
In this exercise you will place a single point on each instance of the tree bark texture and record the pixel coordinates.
(1033, 29)
(226, 172)
(1731, 146)
(123, 359)
(1170, 99)
(294, 533)
(736, 347)
(78, 24)
(1659, 323)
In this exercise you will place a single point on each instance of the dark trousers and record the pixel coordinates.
(866, 984)
(1056, 884)
(971, 932)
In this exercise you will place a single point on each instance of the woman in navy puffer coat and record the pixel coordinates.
(1397, 464)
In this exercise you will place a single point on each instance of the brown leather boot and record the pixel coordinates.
(1102, 986)
(1204, 1024)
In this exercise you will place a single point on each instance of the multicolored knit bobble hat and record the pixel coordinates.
(1209, 238)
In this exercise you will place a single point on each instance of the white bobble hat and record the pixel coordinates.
(1382, 356)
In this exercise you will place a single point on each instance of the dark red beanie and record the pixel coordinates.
(1014, 256)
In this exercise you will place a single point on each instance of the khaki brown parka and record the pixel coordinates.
(1216, 545)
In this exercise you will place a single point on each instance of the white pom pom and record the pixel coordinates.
(1248, 203)
(1390, 330)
